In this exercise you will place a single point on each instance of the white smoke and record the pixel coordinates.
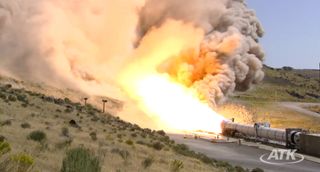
(73, 43)
(84, 43)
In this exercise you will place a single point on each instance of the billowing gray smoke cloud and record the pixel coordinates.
(84, 43)
(230, 57)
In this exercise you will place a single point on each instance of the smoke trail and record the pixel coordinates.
(229, 57)
(84, 44)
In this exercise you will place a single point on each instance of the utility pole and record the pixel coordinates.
(104, 102)
(319, 78)
(85, 100)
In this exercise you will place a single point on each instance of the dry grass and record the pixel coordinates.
(101, 133)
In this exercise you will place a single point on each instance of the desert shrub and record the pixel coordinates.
(48, 98)
(93, 136)
(204, 158)
(295, 94)
(67, 100)
(134, 135)
(157, 145)
(21, 162)
(95, 119)
(37, 136)
(161, 132)
(146, 163)
(239, 169)
(24, 105)
(58, 101)
(225, 165)
(8, 86)
(257, 170)
(91, 112)
(65, 131)
(22, 98)
(124, 154)
(12, 98)
(3, 96)
(143, 135)
(2, 138)
(287, 68)
(6, 122)
(129, 142)
(68, 110)
(140, 142)
(4, 148)
(176, 165)
(182, 149)
(25, 125)
(165, 139)
(80, 160)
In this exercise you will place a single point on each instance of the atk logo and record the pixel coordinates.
(282, 157)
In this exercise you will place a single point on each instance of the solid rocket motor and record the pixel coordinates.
(263, 131)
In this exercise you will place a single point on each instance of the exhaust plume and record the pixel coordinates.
(208, 46)
(229, 57)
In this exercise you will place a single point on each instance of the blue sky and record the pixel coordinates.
(292, 32)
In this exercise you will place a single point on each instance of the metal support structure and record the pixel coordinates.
(85, 100)
(104, 102)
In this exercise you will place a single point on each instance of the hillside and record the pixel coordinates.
(285, 84)
(286, 98)
(38, 131)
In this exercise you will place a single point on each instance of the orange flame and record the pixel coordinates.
(174, 106)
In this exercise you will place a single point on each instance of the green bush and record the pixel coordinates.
(21, 162)
(4, 148)
(80, 160)
(176, 165)
(37, 136)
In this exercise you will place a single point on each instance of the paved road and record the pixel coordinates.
(297, 106)
(245, 156)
